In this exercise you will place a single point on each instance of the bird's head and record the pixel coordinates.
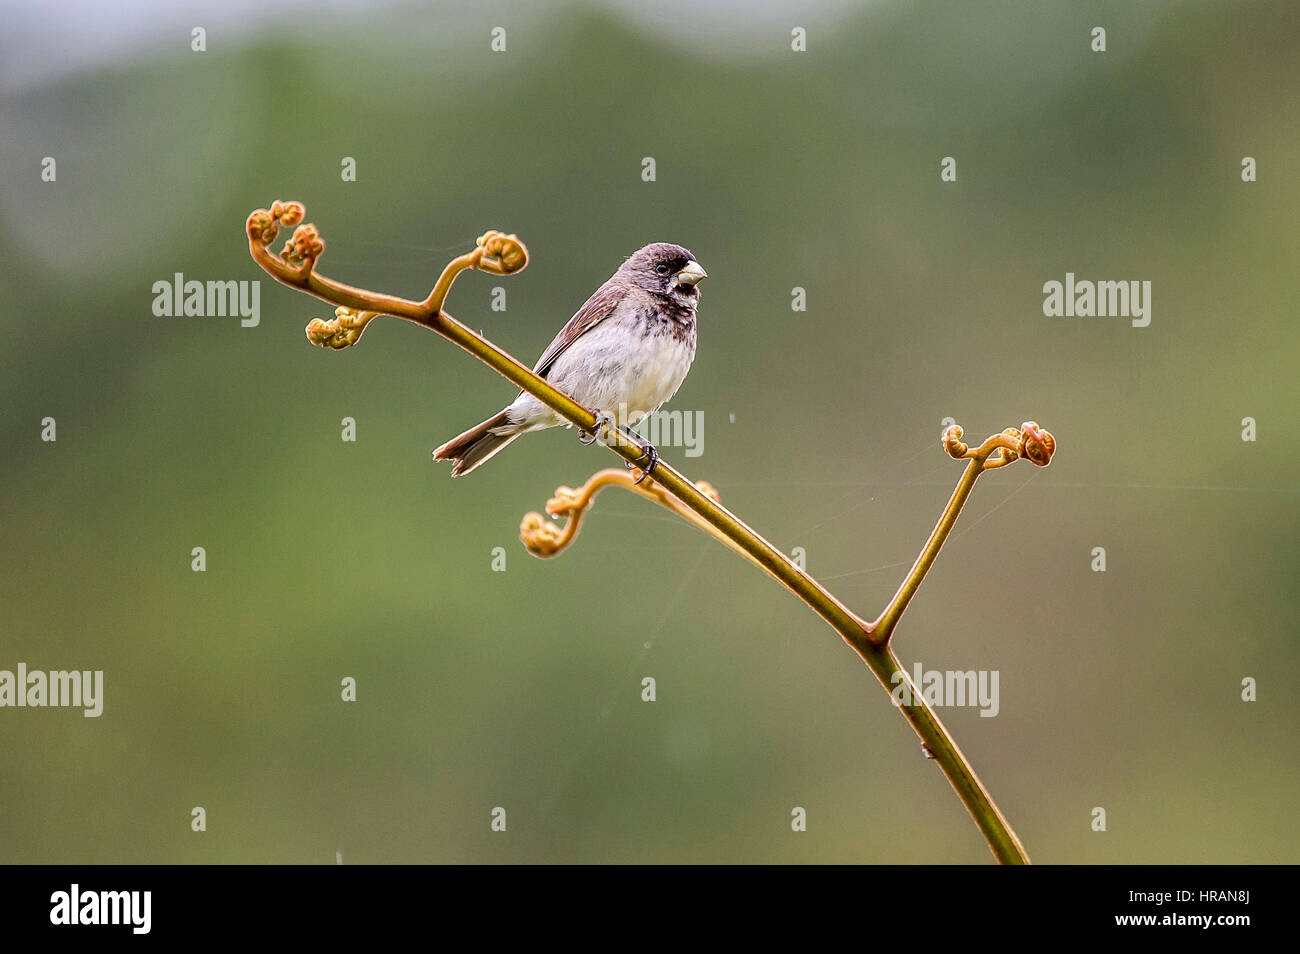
(665, 269)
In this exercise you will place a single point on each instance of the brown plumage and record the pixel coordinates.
(474, 446)
(624, 353)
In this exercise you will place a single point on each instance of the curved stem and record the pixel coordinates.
(431, 316)
(936, 741)
(868, 640)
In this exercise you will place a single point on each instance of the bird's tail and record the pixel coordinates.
(476, 445)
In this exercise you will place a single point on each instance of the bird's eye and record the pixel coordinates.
(661, 269)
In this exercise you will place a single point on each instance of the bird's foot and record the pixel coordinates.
(602, 419)
(652, 456)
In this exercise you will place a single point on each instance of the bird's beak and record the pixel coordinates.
(691, 274)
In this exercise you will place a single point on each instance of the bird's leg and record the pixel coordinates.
(650, 453)
(602, 419)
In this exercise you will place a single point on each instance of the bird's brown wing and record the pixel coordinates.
(598, 307)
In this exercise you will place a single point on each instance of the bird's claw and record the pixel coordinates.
(602, 419)
(646, 469)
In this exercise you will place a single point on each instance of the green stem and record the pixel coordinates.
(885, 623)
(856, 632)
(940, 746)
(864, 638)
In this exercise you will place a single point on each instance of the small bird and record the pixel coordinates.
(624, 354)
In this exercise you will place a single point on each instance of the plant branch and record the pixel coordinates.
(1029, 441)
(501, 254)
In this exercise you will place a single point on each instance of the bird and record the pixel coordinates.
(623, 354)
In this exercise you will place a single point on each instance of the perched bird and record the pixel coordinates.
(624, 354)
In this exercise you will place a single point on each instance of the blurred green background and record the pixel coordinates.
(778, 169)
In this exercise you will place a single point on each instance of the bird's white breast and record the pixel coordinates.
(626, 366)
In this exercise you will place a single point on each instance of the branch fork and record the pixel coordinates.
(498, 253)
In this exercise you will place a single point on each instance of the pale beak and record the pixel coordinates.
(691, 274)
